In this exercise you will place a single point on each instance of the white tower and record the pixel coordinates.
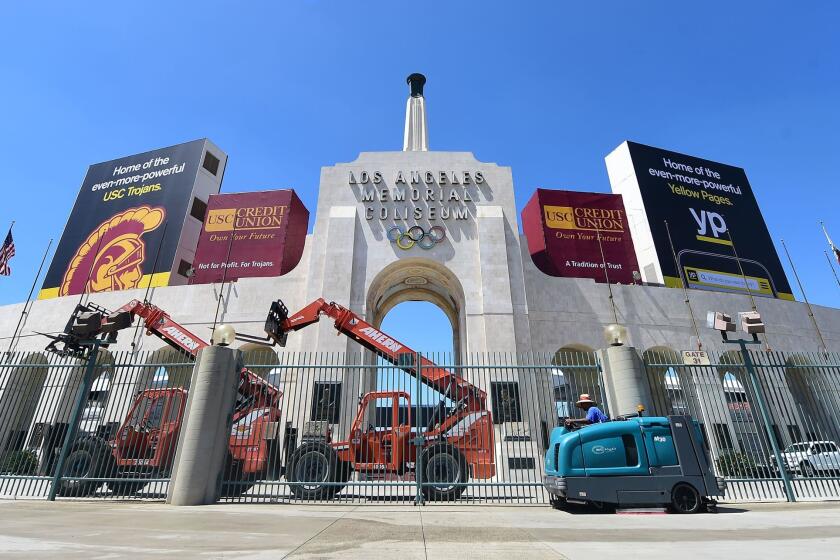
(416, 137)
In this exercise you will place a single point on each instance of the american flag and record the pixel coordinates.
(6, 253)
(834, 248)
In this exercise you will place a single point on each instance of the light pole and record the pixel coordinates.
(751, 324)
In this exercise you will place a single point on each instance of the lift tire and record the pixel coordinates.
(318, 465)
(685, 499)
(807, 469)
(234, 482)
(88, 458)
(443, 469)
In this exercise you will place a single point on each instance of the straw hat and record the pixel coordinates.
(585, 399)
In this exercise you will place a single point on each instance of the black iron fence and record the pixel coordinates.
(356, 429)
(103, 427)
(771, 420)
(353, 428)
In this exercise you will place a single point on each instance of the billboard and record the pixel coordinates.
(563, 230)
(250, 234)
(125, 228)
(720, 240)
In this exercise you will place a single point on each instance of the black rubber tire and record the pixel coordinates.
(234, 482)
(685, 499)
(88, 458)
(126, 488)
(444, 473)
(316, 463)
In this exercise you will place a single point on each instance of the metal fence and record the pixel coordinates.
(355, 429)
(107, 427)
(759, 410)
(104, 427)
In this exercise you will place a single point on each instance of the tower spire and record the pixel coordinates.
(416, 138)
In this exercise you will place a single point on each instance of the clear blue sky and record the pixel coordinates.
(549, 90)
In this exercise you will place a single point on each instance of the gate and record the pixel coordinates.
(784, 409)
(104, 427)
(394, 438)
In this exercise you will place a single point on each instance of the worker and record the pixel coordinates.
(594, 415)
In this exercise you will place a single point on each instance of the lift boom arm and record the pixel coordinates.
(159, 323)
(348, 323)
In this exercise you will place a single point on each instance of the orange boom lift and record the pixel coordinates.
(145, 442)
(455, 445)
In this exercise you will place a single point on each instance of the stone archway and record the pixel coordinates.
(419, 279)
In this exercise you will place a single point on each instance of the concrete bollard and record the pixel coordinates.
(626, 384)
(205, 431)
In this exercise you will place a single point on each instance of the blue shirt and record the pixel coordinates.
(595, 416)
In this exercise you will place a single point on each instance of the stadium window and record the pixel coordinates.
(326, 401)
(211, 163)
(185, 269)
(505, 401)
(198, 210)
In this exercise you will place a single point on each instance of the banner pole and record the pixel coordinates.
(224, 279)
(607, 277)
(746, 284)
(28, 297)
(92, 262)
(149, 285)
(683, 281)
(805, 297)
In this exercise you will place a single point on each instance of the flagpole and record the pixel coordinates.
(834, 251)
(805, 297)
(831, 265)
(224, 279)
(28, 297)
(683, 281)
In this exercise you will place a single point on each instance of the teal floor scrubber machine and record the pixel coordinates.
(632, 461)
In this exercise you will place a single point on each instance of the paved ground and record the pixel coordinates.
(37, 529)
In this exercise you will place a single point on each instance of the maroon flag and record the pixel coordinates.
(6, 253)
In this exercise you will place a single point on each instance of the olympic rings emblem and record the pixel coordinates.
(416, 235)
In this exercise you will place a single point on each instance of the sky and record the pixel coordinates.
(547, 88)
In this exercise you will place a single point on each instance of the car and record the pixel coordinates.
(811, 458)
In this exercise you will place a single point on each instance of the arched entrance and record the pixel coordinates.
(419, 279)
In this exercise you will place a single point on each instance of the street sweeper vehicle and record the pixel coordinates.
(632, 461)
(455, 446)
(144, 444)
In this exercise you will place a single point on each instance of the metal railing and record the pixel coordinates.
(105, 427)
(356, 429)
(757, 410)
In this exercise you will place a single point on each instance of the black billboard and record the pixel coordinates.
(117, 225)
(719, 236)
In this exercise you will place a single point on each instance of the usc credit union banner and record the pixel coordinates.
(563, 230)
(250, 234)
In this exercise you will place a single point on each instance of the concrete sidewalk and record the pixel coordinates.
(37, 529)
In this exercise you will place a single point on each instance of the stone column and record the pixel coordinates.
(205, 429)
(625, 383)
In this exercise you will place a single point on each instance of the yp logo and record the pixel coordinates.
(710, 226)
